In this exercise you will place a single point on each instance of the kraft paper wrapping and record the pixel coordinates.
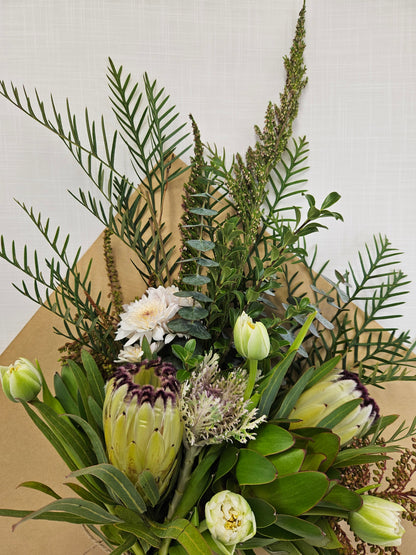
(26, 455)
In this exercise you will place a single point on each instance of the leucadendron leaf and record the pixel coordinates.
(294, 494)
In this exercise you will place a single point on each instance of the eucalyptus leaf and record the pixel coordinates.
(193, 312)
(196, 280)
(197, 295)
(200, 244)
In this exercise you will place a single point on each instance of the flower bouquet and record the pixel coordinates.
(223, 407)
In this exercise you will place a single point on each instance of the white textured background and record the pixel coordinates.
(220, 60)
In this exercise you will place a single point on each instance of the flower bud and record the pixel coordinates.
(336, 389)
(378, 522)
(251, 339)
(21, 381)
(142, 423)
(229, 518)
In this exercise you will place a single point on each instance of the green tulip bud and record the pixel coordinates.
(229, 518)
(142, 424)
(378, 522)
(251, 339)
(21, 381)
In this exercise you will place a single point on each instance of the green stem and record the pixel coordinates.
(136, 549)
(252, 369)
(184, 476)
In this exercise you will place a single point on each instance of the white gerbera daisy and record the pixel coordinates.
(149, 316)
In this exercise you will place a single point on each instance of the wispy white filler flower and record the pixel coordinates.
(213, 408)
(149, 316)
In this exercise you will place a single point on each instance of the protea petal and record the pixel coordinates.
(336, 389)
(142, 423)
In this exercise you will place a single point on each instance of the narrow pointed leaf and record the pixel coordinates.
(118, 484)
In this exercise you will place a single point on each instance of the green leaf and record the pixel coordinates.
(253, 468)
(196, 280)
(199, 480)
(331, 199)
(200, 244)
(94, 438)
(184, 533)
(271, 439)
(207, 262)
(273, 384)
(323, 370)
(94, 377)
(296, 493)
(82, 492)
(227, 461)
(96, 412)
(74, 443)
(197, 295)
(125, 546)
(147, 484)
(370, 453)
(195, 329)
(88, 512)
(39, 486)
(52, 516)
(326, 443)
(264, 513)
(335, 417)
(343, 498)
(293, 394)
(203, 212)
(288, 462)
(84, 389)
(63, 395)
(193, 312)
(117, 483)
(303, 528)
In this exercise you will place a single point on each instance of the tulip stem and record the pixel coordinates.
(252, 373)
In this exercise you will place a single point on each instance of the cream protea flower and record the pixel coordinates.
(213, 408)
(142, 424)
(149, 316)
(336, 389)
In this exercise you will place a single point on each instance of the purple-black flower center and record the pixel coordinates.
(165, 385)
(365, 396)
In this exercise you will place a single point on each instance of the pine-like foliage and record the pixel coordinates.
(131, 208)
(357, 301)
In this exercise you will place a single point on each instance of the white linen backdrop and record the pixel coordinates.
(220, 60)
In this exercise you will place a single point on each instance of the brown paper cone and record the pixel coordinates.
(26, 455)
